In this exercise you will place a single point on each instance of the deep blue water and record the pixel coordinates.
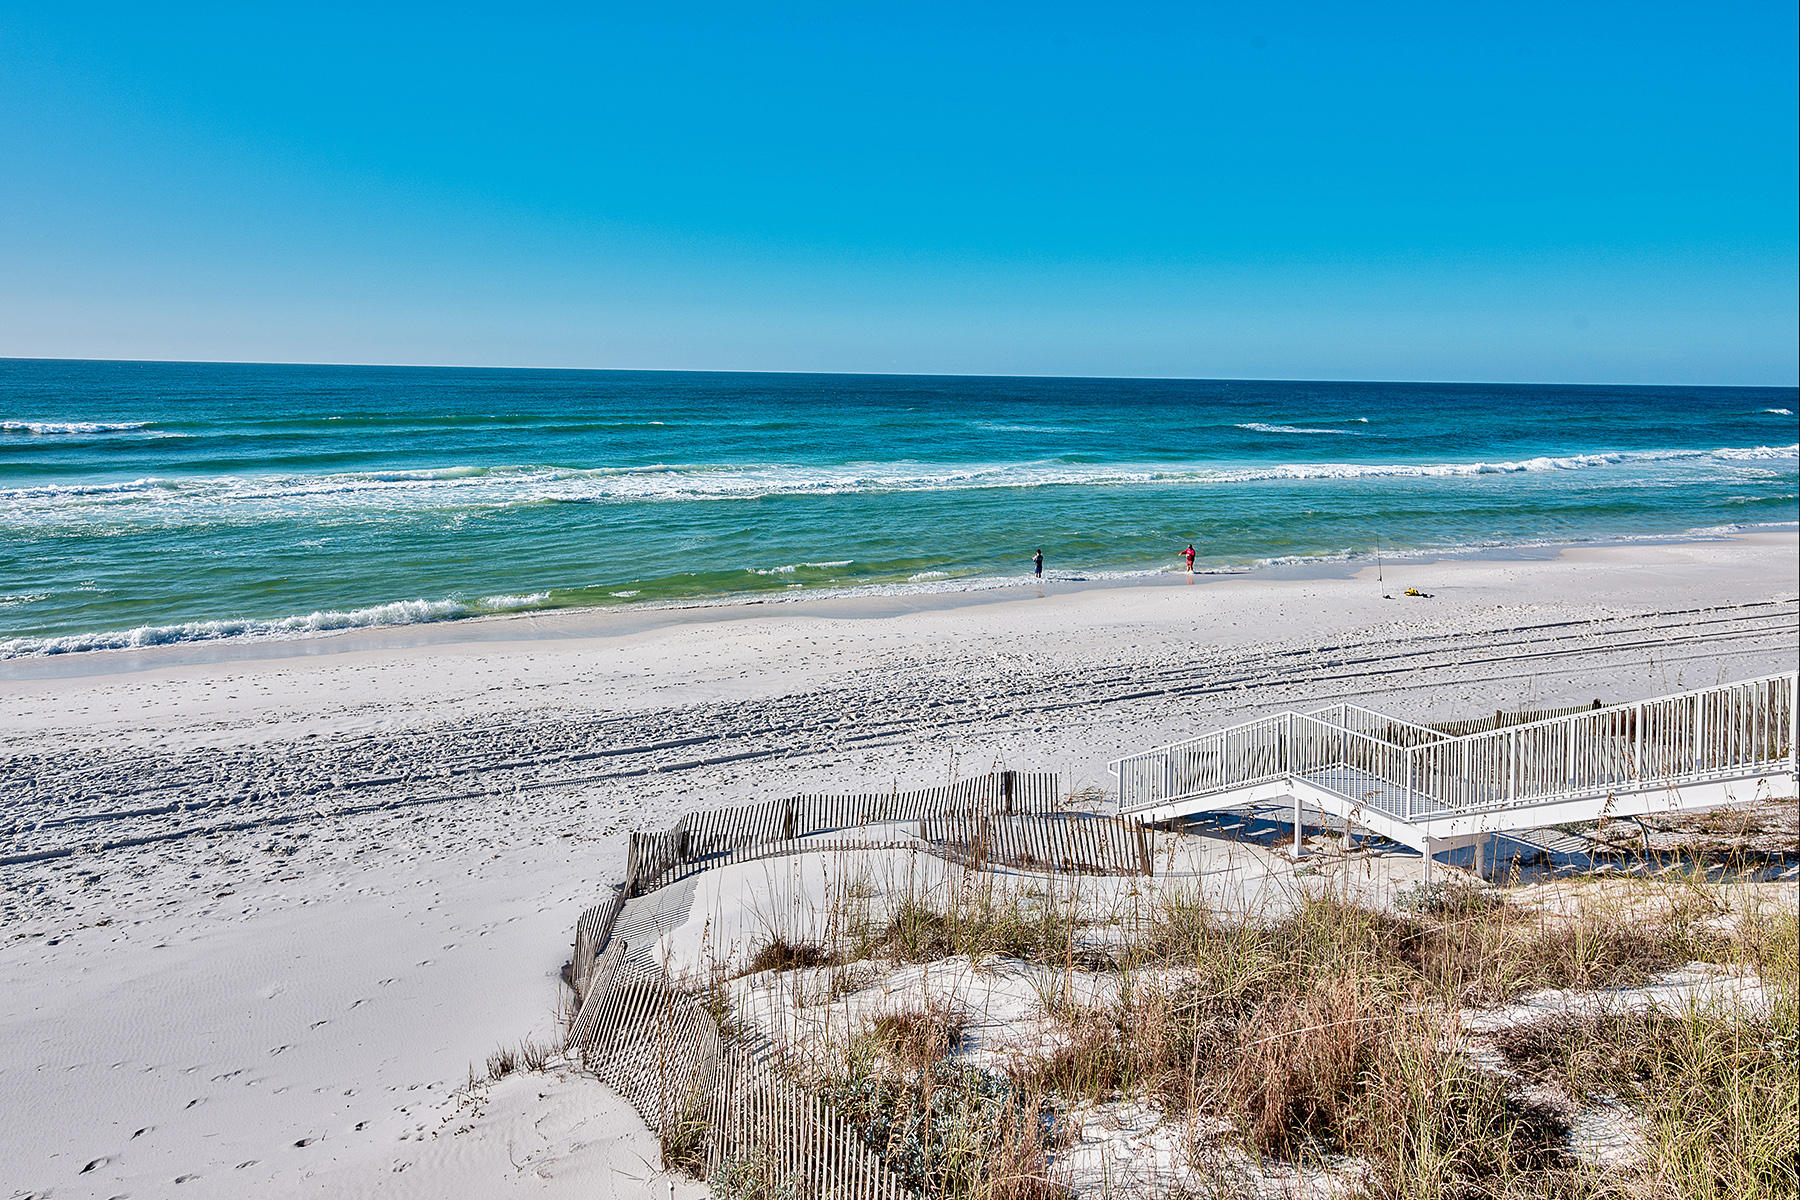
(148, 502)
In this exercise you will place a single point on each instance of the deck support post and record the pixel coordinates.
(1299, 843)
(1481, 863)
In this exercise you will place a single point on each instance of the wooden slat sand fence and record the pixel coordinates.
(592, 932)
(801, 1142)
(714, 1100)
(719, 837)
(1079, 842)
(1501, 719)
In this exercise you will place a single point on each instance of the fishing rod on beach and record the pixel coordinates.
(1381, 576)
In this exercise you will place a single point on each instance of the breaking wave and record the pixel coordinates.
(498, 487)
(401, 612)
(42, 428)
(1263, 427)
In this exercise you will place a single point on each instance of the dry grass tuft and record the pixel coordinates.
(948, 1130)
(779, 954)
(1332, 1030)
(917, 1038)
(977, 924)
(529, 1055)
(1330, 1034)
(1719, 1090)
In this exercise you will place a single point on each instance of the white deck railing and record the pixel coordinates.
(1378, 724)
(1412, 772)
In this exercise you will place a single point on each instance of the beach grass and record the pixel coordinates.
(1331, 1035)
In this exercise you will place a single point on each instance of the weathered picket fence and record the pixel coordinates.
(722, 836)
(722, 1100)
(1502, 719)
(1075, 842)
(716, 1100)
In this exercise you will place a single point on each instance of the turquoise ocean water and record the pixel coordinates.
(145, 503)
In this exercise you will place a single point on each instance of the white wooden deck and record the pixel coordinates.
(1706, 748)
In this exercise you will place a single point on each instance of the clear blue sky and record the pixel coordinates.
(1583, 192)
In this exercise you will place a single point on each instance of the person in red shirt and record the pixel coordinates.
(1189, 555)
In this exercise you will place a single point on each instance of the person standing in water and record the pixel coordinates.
(1189, 555)
(1037, 563)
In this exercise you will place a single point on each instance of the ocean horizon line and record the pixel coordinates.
(1461, 381)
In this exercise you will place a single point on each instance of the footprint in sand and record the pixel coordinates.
(140, 1133)
(94, 1166)
(316, 1024)
(305, 1142)
(248, 1162)
(186, 1178)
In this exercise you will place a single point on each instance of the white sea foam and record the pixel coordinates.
(512, 603)
(54, 491)
(53, 427)
(1262, 427)
(1755, 453)
(791, 568)
(221, 497)
(1779, 412)
(1000, 427)
(400, 612)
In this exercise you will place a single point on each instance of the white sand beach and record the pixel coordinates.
(267, 905)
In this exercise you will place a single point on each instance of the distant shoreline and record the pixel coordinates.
(553, 624)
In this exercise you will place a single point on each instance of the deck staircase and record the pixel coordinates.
(1419, 786)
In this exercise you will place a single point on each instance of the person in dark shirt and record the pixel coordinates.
(1037, 563)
